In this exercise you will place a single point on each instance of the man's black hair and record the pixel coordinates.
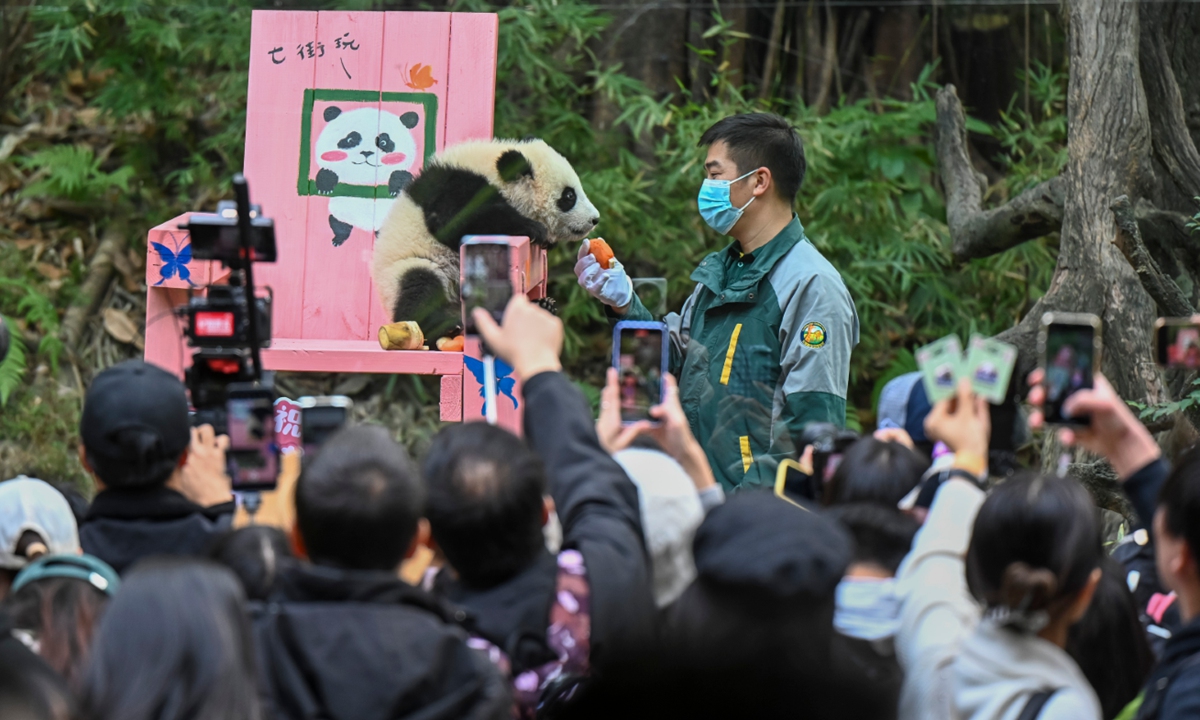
(765, 140)
(485, 502)
(882, 535)
(877, 471)
(1180, 501)
(358, 501)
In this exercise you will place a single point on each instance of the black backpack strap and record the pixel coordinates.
(1035, 703)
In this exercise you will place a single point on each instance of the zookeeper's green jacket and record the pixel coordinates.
(761, 348)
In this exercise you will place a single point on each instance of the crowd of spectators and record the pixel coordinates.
(594, 569)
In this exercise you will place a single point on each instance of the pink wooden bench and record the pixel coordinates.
(435, 71)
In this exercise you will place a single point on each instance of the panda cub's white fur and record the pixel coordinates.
(547, 192)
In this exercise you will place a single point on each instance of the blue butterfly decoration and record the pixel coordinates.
(174, 261)
(504, 384)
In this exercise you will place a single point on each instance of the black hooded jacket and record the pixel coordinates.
(124, 525)
(359, 645)
(598, 507)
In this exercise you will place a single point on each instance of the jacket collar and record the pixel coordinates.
(1184, 643)
(514, 614)
(154, 503)
(303, 582)
(711, 271)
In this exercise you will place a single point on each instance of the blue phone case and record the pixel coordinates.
(661, 327)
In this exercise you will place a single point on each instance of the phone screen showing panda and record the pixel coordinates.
(640, 369)
(485, 281)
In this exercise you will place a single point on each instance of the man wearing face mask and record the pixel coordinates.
(762, 346)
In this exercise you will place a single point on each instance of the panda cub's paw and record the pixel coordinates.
(549, 305)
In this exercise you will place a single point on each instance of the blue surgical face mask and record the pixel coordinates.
(715, 206)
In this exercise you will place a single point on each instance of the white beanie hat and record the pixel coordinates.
(671, 512)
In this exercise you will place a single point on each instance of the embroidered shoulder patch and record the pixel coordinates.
(813, 335)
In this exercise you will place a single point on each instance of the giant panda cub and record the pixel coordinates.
(491, 187)
(363, 147)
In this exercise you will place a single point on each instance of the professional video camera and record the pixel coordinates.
(228, 326)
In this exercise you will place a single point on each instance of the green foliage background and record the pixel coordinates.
(169, 82)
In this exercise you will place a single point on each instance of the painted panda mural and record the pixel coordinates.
(363, 147)
(491, 187)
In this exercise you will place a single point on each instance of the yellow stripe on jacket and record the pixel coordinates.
(747, 456)
(737, 330)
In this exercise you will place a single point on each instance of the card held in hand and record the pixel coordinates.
(940, 363)
(989, 366)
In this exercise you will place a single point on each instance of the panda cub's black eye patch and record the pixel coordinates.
(566, 201)
(385, 143)
(351, 140)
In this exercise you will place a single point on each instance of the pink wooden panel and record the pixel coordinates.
(301, 355)
(510, 405)
(471, 104)
(336, 277)
(274, 113)
(416, 55)
(450, 401)
(166, 260)
(164, 332)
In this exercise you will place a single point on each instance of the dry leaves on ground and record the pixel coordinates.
(122, 328)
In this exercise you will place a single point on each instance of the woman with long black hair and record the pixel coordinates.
(174, 644)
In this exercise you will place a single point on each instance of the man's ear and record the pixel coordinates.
(513, 166)
(763, 181)
(420, 538)
(297, 539)
(87, 467)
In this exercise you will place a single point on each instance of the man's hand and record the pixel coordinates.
(962, 422)
(613, 435)
(529, 340)
(203, 479)
(610, 286)
(1115, 434)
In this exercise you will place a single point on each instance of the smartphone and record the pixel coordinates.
(485, 280)
(1177, 343)
(253, 454)
(640, 355)
(321, 417)
(1069, 345)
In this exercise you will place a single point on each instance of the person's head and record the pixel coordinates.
(876, 471)
(764, 156)
(57, 601)
(253, 554)
(486, 506)
(1177, 532)
(1109, 643)
(359, 501)
(134, 428)
(671, 512)
(173, 644)
(903, 404)
(882, 535)
(1035, 552)
(758, 621)
(35, 520)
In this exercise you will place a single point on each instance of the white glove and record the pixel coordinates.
(611, 287)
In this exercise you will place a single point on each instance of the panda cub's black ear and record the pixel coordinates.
(512, 166)
(331, 112)
(409, 120)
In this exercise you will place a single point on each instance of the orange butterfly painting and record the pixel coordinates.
(419, 77)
